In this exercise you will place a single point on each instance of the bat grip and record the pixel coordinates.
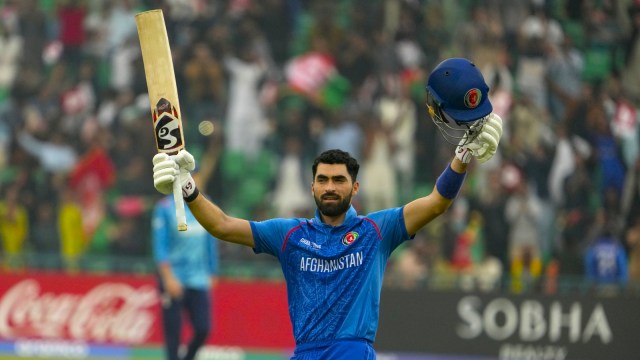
(181, 217)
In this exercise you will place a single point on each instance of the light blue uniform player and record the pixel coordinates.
(334, 264)
(187, 263)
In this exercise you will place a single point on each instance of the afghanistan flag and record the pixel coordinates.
(315, 76)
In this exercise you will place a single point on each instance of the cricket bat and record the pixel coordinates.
(163, 93)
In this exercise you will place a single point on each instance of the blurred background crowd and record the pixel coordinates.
(266, 85)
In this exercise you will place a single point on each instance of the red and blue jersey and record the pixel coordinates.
(334, 273)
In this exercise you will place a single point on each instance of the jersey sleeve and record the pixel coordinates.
(270, 235)
(392, 227)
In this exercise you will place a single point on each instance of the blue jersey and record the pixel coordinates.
(333, 274)
(192, 254)
(606, 261)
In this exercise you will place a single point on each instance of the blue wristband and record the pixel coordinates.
(449, 183)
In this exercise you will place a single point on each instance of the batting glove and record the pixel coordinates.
(484, 140)
(167, 169)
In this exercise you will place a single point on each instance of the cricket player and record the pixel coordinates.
(334, 263)
(187, 264)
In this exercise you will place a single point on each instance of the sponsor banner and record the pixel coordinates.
(53, 350)
(87, 309)
(504, 326)
(125, 311)
(61, 349)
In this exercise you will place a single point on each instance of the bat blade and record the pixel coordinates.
(163, 93)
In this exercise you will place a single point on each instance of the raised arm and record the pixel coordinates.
(421, 211)
(168, 169)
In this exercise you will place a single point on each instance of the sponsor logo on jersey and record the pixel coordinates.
(349, 238)
(310, 244)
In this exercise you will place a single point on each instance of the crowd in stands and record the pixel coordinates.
(266, 85)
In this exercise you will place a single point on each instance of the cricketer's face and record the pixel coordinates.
(333, 188)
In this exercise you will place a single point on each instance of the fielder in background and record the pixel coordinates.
(334, 263)
(187, 264)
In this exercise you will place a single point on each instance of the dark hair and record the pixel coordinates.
(337, 156)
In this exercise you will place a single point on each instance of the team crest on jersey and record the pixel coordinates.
(472, 98)
(349, 238)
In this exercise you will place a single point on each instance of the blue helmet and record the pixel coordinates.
(457, 93)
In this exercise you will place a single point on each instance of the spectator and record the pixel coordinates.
(14, 228)
(246, 125)
(536, 33)
(32, 27)
(631, 67)
(567, 149)
(342, 130)
(491, 204)
(468, 246)
(537, 163)
(523, 212)
(71, 20)
(500, 80)
(318, 22)
(379, 180)
(123, 57)
(398, 117)
(355, 60)
(11, 44)
(97, 30)
(564, 70)
(55, 154)
(606, 265)
(276, 19)
(78, 100)
(73, 240)
(575, 214)
(606, 151)
(291, 190)
(480, 38)
(44, 237)
(205, 84)
(121, 23)
(90, 178)
(293, 121)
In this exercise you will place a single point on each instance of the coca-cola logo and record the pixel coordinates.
(110, 312)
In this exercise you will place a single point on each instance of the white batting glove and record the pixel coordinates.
(167, 169)
(484, 144)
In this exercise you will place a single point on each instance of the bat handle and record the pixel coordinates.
(180, 214)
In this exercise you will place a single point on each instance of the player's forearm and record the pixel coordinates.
(219, 224)
(166, 273)
(421, 211)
